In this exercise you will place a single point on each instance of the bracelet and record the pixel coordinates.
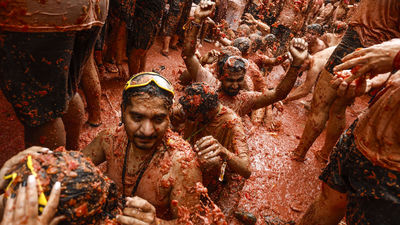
(396, 62)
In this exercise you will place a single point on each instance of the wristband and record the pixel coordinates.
(396, 62)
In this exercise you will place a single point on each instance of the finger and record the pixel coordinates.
(207, 150)
(356, 54)
(52, 205)
(32, 195)
(9, 210)
(349, 64)
(137, 202)
(203, 139)
(57, 220)
(342, 89)
(367, 68)
(130, 220)
(5, 170)
(20, 202)
(206, 144)
(336, 82)
(142, 216)
(352, 89)
(212, 154)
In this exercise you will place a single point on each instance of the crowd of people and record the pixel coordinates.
(185, 160)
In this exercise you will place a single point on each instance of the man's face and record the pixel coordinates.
(146, 119)
(233, 82)
(311, 36)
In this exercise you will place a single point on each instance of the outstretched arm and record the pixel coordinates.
(262, 26)
(303, 90)
(204, 9)
(298, 50)
(377, 59)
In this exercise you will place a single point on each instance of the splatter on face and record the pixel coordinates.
(232, 82)
(146, 119)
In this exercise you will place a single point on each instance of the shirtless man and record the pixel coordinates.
(380, 26)
(218, 137)
(313, 38)
(361, 182)
(231, 71)
(149, 163)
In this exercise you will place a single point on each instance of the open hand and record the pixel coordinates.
(299, 51)
(6, 169)
(377, 59)
(23, 208)
(249, 18)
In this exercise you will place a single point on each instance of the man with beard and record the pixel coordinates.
(148, 162)
(231, 70)
(218, 137)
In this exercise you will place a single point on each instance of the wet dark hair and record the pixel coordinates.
(199, 98)
(316, 27)
(151, 89)
(257, 40)
(242, 43)
(87, 196)
(270, 39)
(239, 65)
(245, 28)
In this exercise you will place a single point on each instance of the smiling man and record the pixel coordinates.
(231, 70)
(146, 159)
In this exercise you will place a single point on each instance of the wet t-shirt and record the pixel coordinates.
(378, 131)
(377, 21)
(52, 16)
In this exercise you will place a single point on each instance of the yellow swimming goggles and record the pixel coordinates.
(145, 78)
(42, 198)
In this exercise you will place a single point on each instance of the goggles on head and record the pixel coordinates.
(145, 78)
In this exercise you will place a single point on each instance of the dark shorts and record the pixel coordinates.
(40, 72)
(373, 191)
(350, 42)
(143, 28)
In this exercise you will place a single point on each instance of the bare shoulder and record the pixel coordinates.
(182, 154)
(230, 118)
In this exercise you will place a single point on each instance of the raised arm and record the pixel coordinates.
(298, 50)
(204, 9)
(260, 25)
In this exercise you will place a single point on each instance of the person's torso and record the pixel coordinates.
(52, 16)
(376, 21)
